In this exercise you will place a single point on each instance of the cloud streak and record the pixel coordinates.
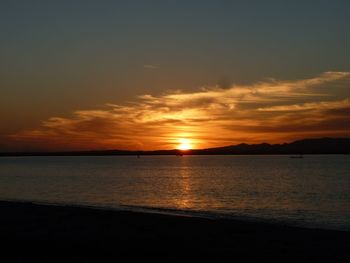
(273, 111)
(151, 66)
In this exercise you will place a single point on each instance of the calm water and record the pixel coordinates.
(314, 191)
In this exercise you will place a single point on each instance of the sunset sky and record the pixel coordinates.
(142, 75)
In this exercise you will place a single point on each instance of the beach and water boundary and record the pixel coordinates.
(311, 192)
(90, 234)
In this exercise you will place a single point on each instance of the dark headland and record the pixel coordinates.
(306, 146)
(50, 233)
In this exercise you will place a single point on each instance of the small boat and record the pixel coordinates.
(296, 156)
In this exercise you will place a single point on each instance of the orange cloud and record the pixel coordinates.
(267, 111)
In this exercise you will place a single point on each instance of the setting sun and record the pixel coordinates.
(184, 144)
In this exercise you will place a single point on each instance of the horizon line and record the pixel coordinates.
(165, 150)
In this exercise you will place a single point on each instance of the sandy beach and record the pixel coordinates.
(52, 233)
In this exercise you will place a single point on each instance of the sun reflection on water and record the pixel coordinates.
(184, 200)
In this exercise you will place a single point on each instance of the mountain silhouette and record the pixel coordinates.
(305, 146)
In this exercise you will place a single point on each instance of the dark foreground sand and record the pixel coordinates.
(46, 233)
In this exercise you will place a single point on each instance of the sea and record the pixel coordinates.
(312, 192)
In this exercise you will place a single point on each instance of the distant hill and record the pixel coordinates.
(306, 146)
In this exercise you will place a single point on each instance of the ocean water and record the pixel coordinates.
(312, 192)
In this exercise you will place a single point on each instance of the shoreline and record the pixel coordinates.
(210, 215)
(111, 233)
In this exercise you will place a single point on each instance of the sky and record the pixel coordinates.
(142, 75)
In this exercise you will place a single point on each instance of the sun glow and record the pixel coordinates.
(184, 144)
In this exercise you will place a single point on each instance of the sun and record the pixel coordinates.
(184, 144)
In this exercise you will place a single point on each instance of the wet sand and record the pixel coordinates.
(50, 233)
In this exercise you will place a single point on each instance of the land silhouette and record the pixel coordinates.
(305, 146)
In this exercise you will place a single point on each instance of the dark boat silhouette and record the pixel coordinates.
(296, 156)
